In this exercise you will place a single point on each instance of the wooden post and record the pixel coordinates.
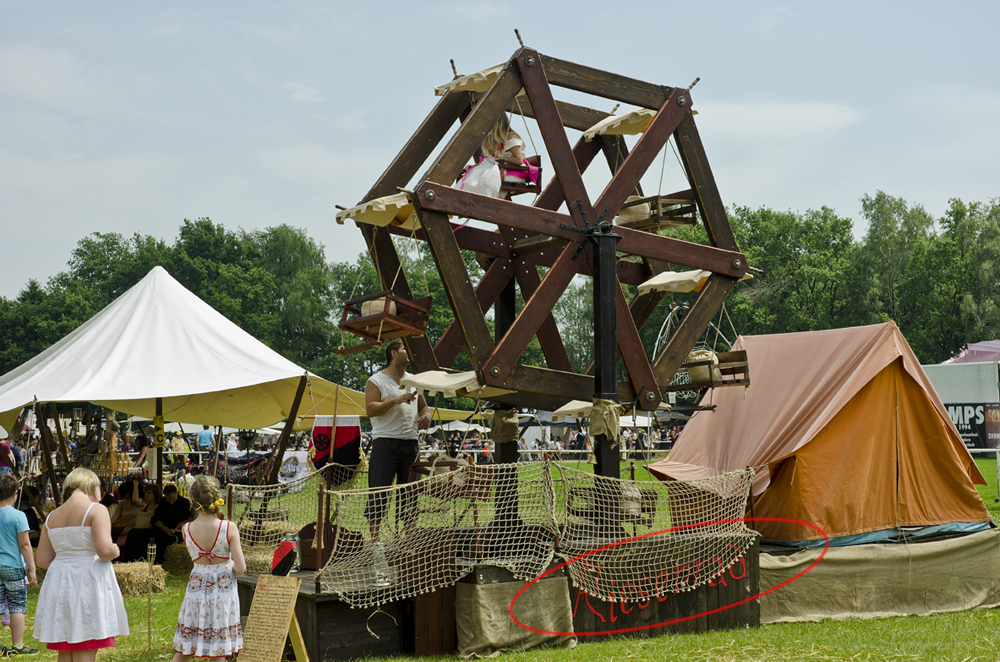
(63, 453)
(43, 429)
(286, 432)
(320, 526)
(161, 439)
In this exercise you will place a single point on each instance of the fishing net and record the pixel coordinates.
(265, 514)
(401, 541)
(432, 532)
(611, 529)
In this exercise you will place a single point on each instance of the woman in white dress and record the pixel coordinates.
(80, 608)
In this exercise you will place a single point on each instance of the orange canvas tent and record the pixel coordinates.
(846, 432)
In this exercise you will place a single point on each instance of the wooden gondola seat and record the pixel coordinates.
(382, 316)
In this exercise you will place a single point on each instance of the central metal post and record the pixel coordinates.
(605, 242)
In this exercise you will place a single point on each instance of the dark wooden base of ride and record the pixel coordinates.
(425, 625)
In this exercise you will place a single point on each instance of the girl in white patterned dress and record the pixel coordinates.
(501, 147)
(209, 622)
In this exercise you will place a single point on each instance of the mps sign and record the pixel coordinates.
(978, 423)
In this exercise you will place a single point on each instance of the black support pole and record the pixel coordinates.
(605, 241)
(504, 312)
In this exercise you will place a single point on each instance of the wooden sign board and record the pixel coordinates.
(272, 614)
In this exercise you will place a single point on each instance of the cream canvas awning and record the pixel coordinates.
(396, 209)
(679, 281)
(629, 124)
(476, 82)
(449, 385)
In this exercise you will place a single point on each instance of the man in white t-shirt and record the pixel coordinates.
(396, 415)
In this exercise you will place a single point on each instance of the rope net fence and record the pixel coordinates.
(401, 541)
(705, 535)
(265, 514)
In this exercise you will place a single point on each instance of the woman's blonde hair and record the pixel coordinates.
(496, 137)
(206, 493)
(81, 479)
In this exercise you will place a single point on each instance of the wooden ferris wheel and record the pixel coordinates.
(580, 240)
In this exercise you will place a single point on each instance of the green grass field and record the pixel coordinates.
(963, 636)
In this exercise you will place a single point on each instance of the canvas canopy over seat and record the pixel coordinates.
(395, 209)
(158, 340)
(449, 384)
(627, 124)
(846, 432)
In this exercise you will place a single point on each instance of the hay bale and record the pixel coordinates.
(258, 560)
(177, 560)
(133, 578)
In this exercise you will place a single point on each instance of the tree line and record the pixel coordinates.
(936, 278)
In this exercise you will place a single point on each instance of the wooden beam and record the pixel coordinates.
(469, 136)
(286, 432)
(455, 278)
(695, 161)
(600, 83)
(652, 141)
(437, 229)
(489, 288)
(713, 294)
(634, 357)
(46, 441)
(557, 384)
(573, 116)
(548, 332)
(540, 221)
(492, 243)
(392, 277)
(564, 161)
(538, 243)
(535, 310)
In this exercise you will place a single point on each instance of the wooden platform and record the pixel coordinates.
(739, 582)
(425, 625)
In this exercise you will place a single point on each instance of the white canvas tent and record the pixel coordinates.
(158, 340)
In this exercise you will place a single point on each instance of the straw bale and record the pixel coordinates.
(258, 560)
(177, 560)
(133, 578)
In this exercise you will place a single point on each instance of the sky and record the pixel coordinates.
(131, 117)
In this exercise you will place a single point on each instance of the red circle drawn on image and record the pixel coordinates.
(826, 546)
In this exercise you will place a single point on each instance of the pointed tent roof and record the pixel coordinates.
(848, 408)
(160, 340)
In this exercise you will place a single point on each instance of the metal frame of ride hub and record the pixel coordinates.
(581, 241)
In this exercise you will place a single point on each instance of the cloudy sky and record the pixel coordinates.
(130, 117)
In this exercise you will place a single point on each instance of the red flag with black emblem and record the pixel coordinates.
(340, 445)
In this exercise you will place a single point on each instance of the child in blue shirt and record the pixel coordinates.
(15, 554)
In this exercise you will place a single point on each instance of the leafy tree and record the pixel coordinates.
(806, 263)
(108, 264)
(39, 317)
